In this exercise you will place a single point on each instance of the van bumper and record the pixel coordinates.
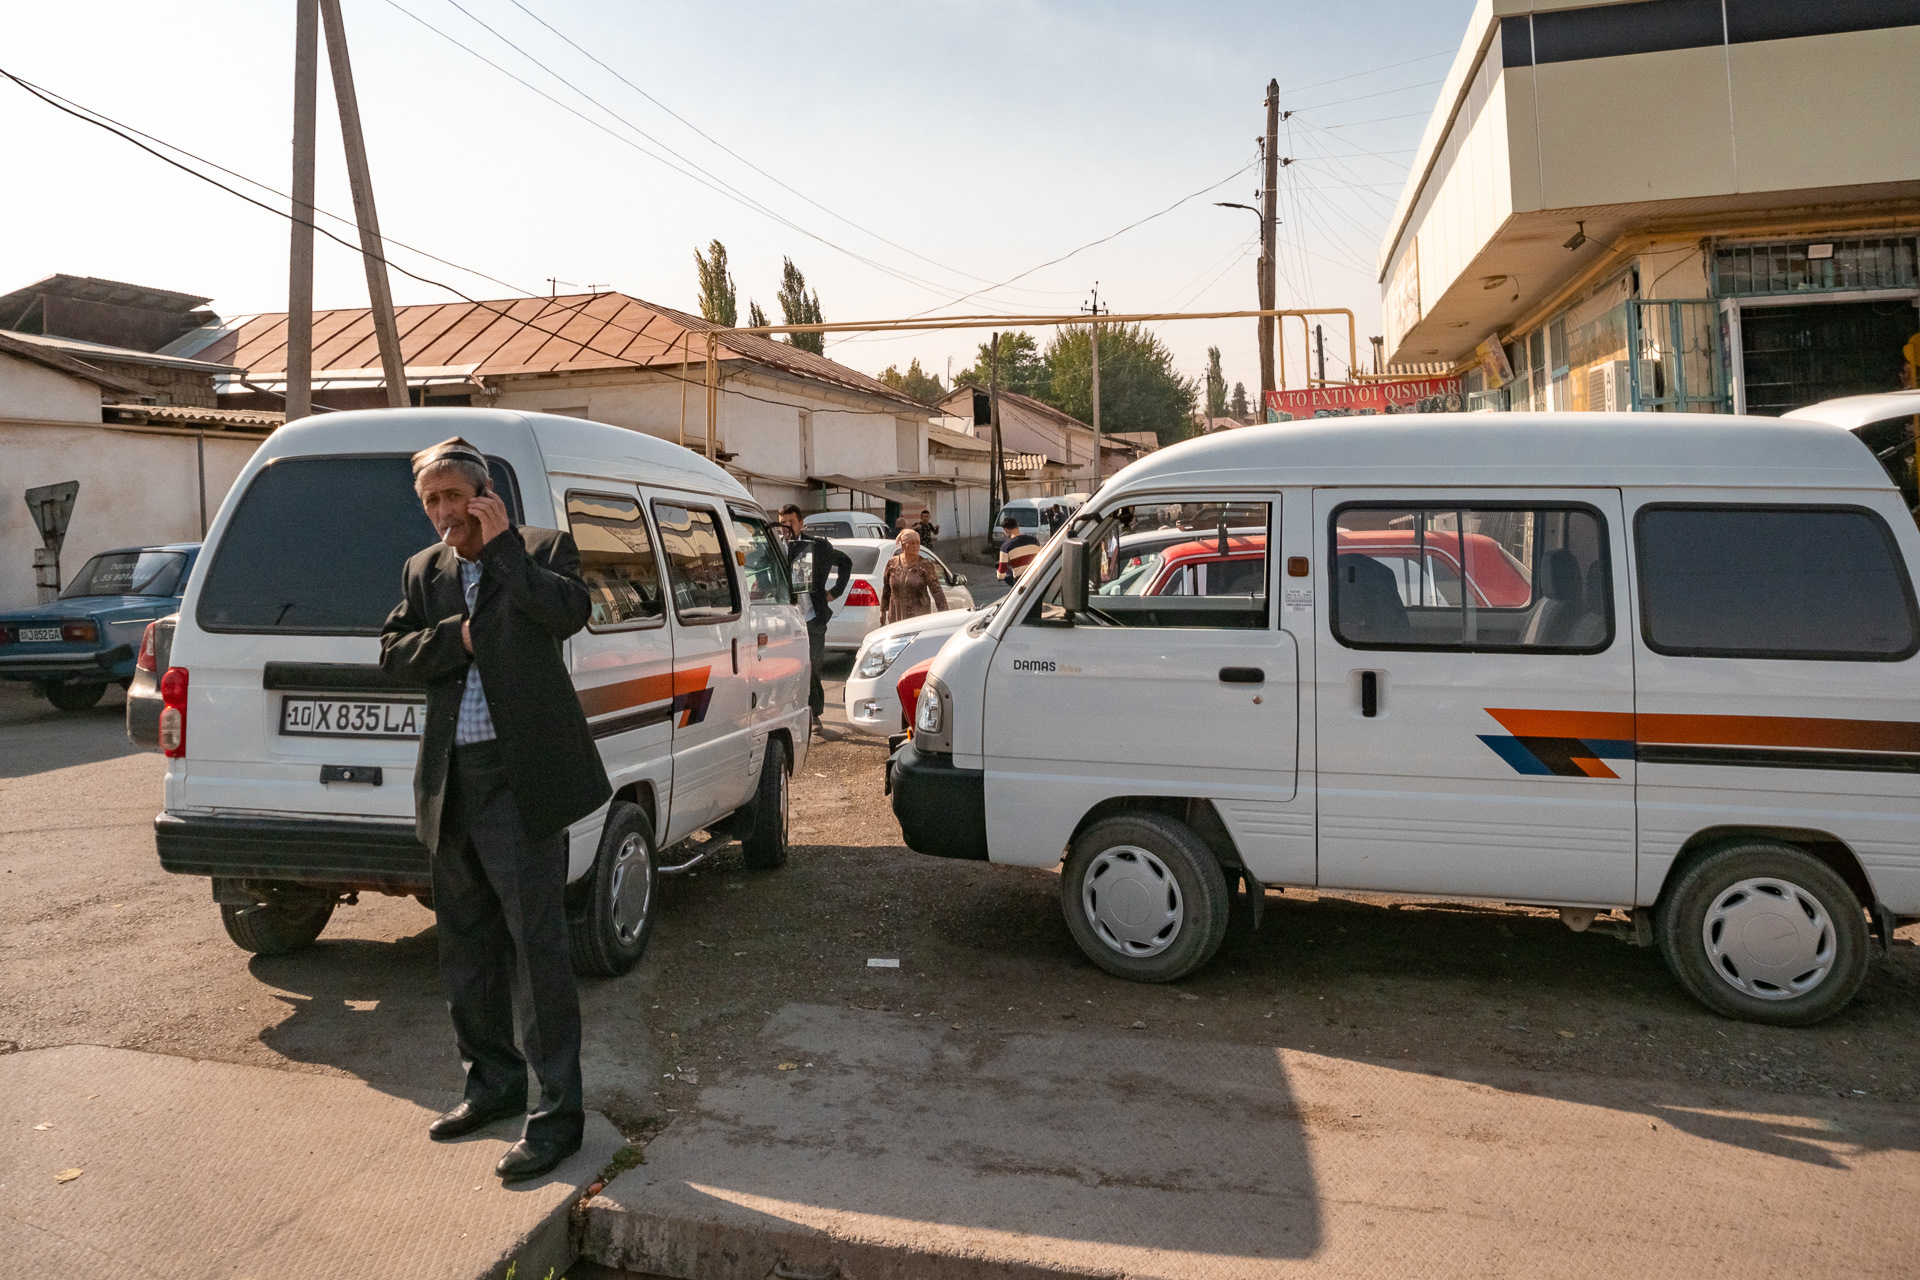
(942, 810)
(365, 855)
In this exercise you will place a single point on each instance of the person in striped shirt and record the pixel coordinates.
(1016, 553)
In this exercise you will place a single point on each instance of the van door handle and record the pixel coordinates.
(1369, 693)
(763, 640)
(736, 655)
(1242, 675)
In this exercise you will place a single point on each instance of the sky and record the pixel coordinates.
(910, 158)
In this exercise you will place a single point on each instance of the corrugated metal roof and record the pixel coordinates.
(177, 415)
(79, 350)
(570, 333)
(92, 289)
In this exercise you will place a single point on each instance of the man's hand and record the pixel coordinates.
(492, 515)
(466, 635)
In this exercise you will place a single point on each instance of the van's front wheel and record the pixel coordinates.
(1145, 897)
(608, 938)
(1765, 932)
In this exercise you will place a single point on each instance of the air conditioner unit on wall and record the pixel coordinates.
(1608, 390)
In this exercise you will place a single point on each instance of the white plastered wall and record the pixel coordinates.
(33, 391)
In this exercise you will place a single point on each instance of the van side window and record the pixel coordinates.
(699, 563)
(1184, 564)
(616, 561)
(761, 558)
(1535, 579)
(1774, 582)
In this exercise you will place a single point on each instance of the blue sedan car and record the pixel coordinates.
(73, 647)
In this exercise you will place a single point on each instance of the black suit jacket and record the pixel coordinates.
(825, 561)
(530, 599)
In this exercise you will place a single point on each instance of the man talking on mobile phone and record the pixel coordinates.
(506, 763)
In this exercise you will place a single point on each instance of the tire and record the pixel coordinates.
(763, 824)
(74, 697)
(278, 928)
(1764, 932)
(608, 938)
(1144, 897)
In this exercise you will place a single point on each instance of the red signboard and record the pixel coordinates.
(1415, 395)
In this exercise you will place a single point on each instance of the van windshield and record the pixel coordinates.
(316, 546)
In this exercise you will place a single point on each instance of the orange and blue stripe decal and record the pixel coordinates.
(648, 700)
(1576, 744)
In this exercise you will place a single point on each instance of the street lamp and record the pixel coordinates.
(1260, 290)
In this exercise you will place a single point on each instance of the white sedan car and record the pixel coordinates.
(857, 611)
(873, 704)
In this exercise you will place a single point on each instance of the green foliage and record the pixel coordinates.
(1216, 386)
(1240, 409)
(718, 301)
(800, 307)
(756, 318)
(1139, 388)
(915, 382)
(1022, 368)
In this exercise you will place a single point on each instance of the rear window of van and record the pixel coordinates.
(316, 546)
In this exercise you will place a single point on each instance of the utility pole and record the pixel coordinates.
(360, 178)
(997, 464)
(1320, 347)
(306, 76)
(1096, 311)
(1269, 221)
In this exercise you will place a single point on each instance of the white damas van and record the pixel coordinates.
(1654, 665)
(290, 779)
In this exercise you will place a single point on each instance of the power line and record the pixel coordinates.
(1425, 57)
(1424, 84)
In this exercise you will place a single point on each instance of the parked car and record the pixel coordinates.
(144, 701)
(291, 753)
(872, 701)
(1698, 728)
(72, 648)
(1031, 513)
(1426, 568)
(835, 525)
(857, 611)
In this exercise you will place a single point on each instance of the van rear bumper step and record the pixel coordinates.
(346, 853)
(942, 810)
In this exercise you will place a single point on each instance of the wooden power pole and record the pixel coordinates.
(997, 465)
(306, 75)
(1096, 311)
(1269, 221)
(372, 250)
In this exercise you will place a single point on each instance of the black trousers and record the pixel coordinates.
(817, 651)
(500, 901)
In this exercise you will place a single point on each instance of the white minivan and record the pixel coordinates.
(291, 754)
(1653, 668)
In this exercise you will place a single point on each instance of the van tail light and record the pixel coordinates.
(146, 661)
(79, 632)
(861, 595)
(173, 716)
(908, 687)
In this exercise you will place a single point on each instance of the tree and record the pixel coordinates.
(1139, 388)
(1240, 409)
(800, 308)
(915, 383)
(1216, 387)
(718, 302)
(756, 318)
(1021, 367)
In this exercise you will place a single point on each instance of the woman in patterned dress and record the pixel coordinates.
(911, 585)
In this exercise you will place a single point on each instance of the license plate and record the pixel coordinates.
(39, 635)
(351, 718)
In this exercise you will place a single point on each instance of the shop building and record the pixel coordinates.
(1666, 205)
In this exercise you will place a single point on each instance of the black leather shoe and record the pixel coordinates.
(531, 1157)
(468, 1116)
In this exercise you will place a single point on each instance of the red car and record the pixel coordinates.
(1498, 580)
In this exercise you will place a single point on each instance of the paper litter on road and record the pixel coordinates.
(883, 964)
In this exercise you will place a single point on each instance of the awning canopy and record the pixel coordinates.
(872, 488)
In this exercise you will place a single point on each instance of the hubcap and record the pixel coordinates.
(1132, 901)
(631, 888)
(1769, 938)
(785, 788)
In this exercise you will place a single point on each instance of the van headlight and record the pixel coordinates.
(932, 719)
(878, 657)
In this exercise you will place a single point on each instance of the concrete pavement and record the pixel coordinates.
(891, 1149)
(189, 1169)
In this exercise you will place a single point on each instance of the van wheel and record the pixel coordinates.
(1145, 897)
(763, 836)
(1765, 932)
(277, 928)
(74, 697)
(607, 940)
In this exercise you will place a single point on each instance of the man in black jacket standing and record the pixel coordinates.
(506, 763)
(813, 558)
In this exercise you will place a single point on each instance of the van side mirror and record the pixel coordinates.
(1073, 576)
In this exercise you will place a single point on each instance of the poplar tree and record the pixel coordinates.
(718, 301)
(800, 307)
